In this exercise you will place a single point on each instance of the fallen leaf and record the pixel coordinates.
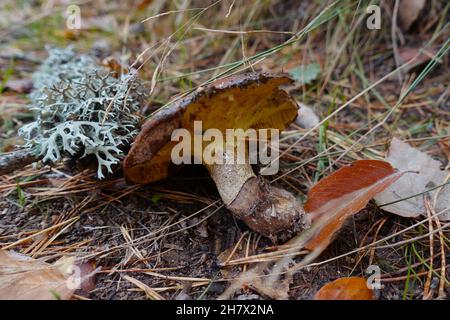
(306, 118)
(353, 288)
(24, 278)
(342, 194)
(20, 85)
(408, 12)
(107, 23)
(306, 73)
(429, 174)
(10, 144)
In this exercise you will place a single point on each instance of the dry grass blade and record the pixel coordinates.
(152, 294)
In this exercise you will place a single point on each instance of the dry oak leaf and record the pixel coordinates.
(20, 85)
(353, 288)
(429, 175)
(342, 194)
(24, 278)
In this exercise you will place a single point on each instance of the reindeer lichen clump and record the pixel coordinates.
(82, 109)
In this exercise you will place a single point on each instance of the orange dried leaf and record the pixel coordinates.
(353, 288)
(345, 192)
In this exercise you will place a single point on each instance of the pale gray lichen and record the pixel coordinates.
(82, 109)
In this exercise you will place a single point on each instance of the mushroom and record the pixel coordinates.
(245, 101)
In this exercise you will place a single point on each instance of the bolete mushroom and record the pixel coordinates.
(245, 101)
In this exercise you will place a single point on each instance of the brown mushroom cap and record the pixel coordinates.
(244, 101)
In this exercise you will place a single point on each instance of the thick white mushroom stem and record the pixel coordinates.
(266, 209)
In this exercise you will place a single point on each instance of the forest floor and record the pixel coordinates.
(173, 236)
